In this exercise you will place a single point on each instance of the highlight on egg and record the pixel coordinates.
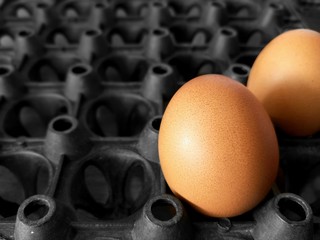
(217, 147)
(285, 77)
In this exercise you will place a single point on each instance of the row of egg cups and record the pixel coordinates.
(130, 37)
(68, 152)
(128, 64)
(55, 166)
(193, 10)
(163, 216)
(267, 26)
(129, 32)
(122, 111)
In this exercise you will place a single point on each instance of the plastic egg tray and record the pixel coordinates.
(83, 85)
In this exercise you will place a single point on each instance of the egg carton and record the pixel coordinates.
(83, 87)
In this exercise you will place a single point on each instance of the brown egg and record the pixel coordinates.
(217, 146)
(286, 78)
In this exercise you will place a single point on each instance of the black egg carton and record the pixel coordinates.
(83, 86)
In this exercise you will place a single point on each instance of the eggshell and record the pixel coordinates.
(286, 78)
(217, 146)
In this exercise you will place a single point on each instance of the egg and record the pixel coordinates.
(285, 77)
(217, 147)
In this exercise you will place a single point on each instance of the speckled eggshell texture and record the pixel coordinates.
(285, 77)
(217, 146)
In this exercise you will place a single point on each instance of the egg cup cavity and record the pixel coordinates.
(123, 35)
(189, 66)
(124, 9)
(121, 68)
(50, 69)
(18, 10)
(115, 184)
(127, 114)
(73, 10)
(29, 116)
(65, 36)
(32, 177)
(183, 34)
